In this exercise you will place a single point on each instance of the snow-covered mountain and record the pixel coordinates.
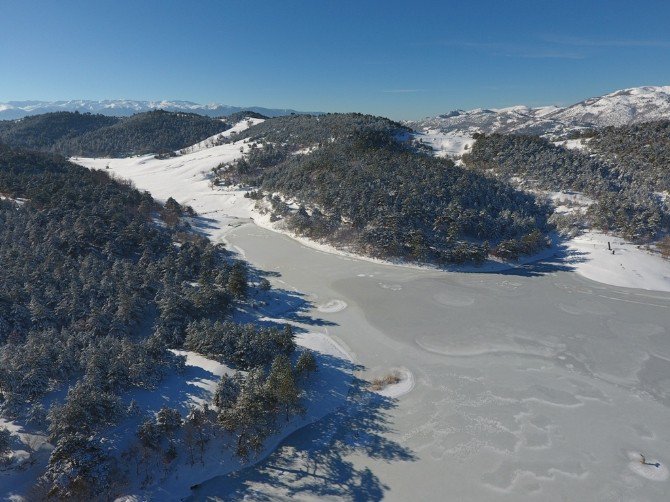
(627, 106)
(125, 107)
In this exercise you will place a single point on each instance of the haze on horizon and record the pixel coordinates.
(382, 58)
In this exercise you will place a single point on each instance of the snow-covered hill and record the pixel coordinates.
(124, 107)
(627, 106)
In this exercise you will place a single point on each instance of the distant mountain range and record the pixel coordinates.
(627, 106)
(125, 107)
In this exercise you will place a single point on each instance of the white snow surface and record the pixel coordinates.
(187, 178)
(630, 266)
(446, 144)
(217, 138)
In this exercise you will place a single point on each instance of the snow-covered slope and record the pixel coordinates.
(627, 106)
(125, 107)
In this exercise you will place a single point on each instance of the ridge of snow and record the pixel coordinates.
(622, 107)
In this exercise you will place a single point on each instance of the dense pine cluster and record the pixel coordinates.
(300, 131)
(86, 135)
(625, 198)
(98, 282)
(47, 131)
(641, 151)
(361, 184)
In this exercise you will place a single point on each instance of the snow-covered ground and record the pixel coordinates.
(25, 463)
(217, 138)
(630, 266)
(326, 392)
(573, 144)
(446, 144)
(187, 179)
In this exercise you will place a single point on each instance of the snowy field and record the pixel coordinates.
(533, 383)
(629, 266)
(450, 144)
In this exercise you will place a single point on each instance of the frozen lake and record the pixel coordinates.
(533, 384)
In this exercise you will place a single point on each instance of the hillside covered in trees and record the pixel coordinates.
(641, 151)
(86, 135)
(44, 132)
(359, 182)
(99, 281)
(624, 181)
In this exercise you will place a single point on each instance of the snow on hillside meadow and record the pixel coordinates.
(186, 177)
(451, 145)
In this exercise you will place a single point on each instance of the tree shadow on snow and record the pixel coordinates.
(315, 461)
(559, 258)
(278, 303)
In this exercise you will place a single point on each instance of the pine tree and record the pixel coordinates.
(306, 363)
(5, 441)
(227, 391)
(281, 385)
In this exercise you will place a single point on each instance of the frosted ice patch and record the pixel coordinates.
(454, 299)
(332, 306)
(392, 287)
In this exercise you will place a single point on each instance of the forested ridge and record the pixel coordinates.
(44, 132)
(86, 135)
(98, 282)
(624, 184)
(641, 151)
(361, 183)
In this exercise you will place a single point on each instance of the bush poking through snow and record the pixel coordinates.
(377, 384)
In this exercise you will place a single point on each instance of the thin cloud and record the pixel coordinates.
(527, 51)
(403, 91)
(592, 42)
(551, 55)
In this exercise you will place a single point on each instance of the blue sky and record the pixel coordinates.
(396, 58)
